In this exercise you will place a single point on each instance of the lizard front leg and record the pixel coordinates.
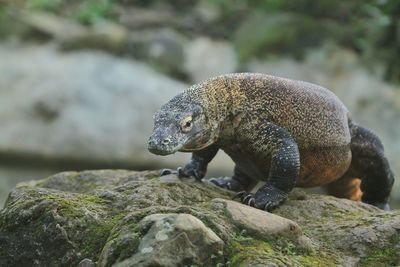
(197, 166)
(275, 143)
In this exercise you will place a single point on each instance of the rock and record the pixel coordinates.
(162, 48)
(11, 175)
(205, 58)
(174, 239)
(107, 36)
(258, 222)
(81, 110)
(375, 104)
(48, 24)
(140, 18)
(123, 218)
(208, 12)
(72, 35)
(73, 104)
(86, 263)
(362, 234)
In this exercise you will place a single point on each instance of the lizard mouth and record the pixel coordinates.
(162, 150)
(191, 149)
(198, 141)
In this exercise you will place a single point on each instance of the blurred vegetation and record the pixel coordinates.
(86, 12)
(264, 28)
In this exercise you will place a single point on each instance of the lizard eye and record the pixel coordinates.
(186, 124)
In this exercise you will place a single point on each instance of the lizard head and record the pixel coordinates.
(180, 126)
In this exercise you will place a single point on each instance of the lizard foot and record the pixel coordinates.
(164, 172)
(227, 183)
(182, 173)
(266, 198)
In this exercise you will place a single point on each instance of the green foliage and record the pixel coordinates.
(94, 11)
(46, 5)
(86, 12)
(370, 27)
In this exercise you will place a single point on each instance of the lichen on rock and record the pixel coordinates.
(128, 218)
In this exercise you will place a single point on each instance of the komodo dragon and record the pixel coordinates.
(284, 132)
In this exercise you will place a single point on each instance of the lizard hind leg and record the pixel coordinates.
(370, 164)
(347, 186)
(238, 182)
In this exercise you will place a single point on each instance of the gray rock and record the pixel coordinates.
(86, 263)
(68, 111)
(162, 48)
(208, 12)
(79, 110)
(257, 222)
(72, 35)
(127, 218)
(11, 175)
(173, 240)
(85, 106)
(205, 58)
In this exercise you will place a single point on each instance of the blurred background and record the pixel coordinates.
(80, 80)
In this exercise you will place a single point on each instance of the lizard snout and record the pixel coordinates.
(159, 145)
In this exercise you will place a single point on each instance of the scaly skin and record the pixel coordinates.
(284, 132)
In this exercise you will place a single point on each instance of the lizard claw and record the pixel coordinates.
(249, 200)
(178, 172)
(267, 207)
(240, 195)
(246, 198)
(186, 173)
(164, 172)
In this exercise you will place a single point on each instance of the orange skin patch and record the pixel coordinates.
(323, 166)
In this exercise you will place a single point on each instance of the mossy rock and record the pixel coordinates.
(99, 215)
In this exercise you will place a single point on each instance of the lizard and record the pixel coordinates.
(286, 133)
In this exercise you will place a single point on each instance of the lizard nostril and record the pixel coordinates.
(166, 141)
(151, 142)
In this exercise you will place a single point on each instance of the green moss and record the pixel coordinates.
(315, 260)
(96, 229)
(243, 250)
(150, 177)
(100, 233)
(75, 206)
(383, 256)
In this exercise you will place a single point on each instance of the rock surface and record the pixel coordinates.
(206, 58)
(258, 222)
(173, 240)
(82, 107)
(116, 218)
(62, 111)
